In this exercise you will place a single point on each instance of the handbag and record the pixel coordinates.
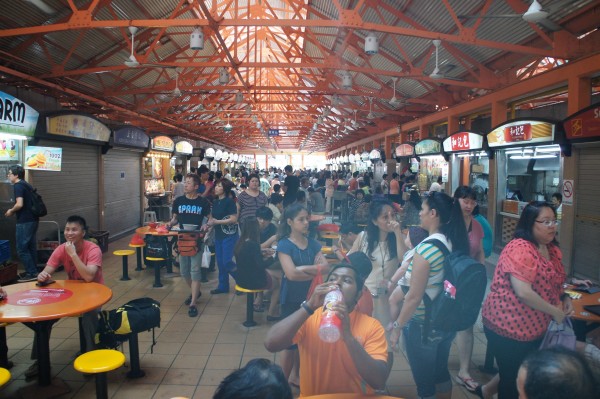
(559, 335)
(205, 258)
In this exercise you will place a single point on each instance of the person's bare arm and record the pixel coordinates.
(16, 207)
(529, 297)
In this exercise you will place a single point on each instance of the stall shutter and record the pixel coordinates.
(587, 218)
(122, 176)
(73, 190)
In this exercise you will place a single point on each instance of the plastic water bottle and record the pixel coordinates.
(330, 329)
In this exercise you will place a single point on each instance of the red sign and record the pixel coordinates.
(463, 141)
(39, 296)
(584, 124)
(517, 133)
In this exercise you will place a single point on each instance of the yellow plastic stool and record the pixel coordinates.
(99, 362)
(4, 376)
(157, 263)
(124, 253)
(138, 255)
(249, 304)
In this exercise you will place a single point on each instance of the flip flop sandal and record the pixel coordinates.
(469, 383)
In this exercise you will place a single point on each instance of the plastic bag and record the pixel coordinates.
(205, 258)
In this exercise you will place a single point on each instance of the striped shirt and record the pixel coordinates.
(434, 256)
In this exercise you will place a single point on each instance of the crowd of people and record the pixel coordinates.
(260, 226)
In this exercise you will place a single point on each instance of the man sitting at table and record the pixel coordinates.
(82, 261)
(357, 362)
(191, 208)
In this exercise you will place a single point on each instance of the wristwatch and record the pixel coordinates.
(396, 325)
(304, 305)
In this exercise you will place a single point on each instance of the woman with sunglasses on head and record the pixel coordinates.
(428, 351)
(525, 295)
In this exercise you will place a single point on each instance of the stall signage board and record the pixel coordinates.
(131, 136)
(405, 150)
(273, 132)
(428, 147)
(584, 124)
(43, 158)
(9, 149)
(162, 143)
(520, 133)
(184, 147)
(463, 141)
(16, 117)
(78, 126)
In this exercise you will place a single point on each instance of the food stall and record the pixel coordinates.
(469, 165)
(180, 163)
(17, 125)
(431, 163)
(156, 175)
(528, 164)
(405, 155)
(582, 130)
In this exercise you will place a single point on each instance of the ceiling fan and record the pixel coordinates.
(394, 101)
(437, 72)
(534, 14)
(370, 115)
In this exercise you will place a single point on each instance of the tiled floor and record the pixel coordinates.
(192, 355)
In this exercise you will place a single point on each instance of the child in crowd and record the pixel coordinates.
(355, 202)
(414, 237)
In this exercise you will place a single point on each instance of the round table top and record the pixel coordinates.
(26, 302)
(586, 299)
(146, 230)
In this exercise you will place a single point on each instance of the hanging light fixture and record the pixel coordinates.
(239, 97)
(228, 128)
(236, 157)
(364, 156)
(371, 44)
(375, 155)
(335, 99)
(218, 155)
(248, 109)
(197, 39)
(209, 154)
(224, 76)
(225, 156)
(347, 81)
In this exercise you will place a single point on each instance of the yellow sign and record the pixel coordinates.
(79, 126)
(162, 143)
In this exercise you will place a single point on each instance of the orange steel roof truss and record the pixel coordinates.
(285, 61)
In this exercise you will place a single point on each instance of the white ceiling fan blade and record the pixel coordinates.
(132, 62)
(535, 13)
(42, 6)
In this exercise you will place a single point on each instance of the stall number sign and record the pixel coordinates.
(463, 141)
(39, 296)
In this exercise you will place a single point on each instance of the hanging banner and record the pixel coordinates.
(584, 124)
(428, 147)
(521, 132)
(78, 126)
(463, 141)
(16, 117)
(405, 150)
(43, 158)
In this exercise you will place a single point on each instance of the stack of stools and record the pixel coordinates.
(149, 217)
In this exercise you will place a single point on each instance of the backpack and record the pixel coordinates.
(457, 307)
(187, 244)
(156, 247)
(137, 315)
(38, 208)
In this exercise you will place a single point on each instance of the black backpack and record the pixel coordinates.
(457, 307)
(38, 208)
(156, 247)
(135, 316)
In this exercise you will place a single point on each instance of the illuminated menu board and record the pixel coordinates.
(522, 132)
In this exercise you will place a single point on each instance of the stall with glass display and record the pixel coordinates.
(432, 164)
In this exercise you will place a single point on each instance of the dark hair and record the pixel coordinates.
(259, 379)
(527, 220)
(350, 228)
(276, 188)
(452, 224)
(359, 191)
(250, 231)
(394, 175)
(227, 186)
(195, 178)
(288, 168)
(17, 170)
(178, 177)
(79, 220)
(558, 196)
(300, 196)
(276, 198)
(372, 231)
(252, 176)
(264, 213)
(415, 199)
(557, 373)
(243, 185)
(290, 212)
(202, 169)
(355, 174)
(465, 192)
(417, 234)
(358, 266)
(218, 174)
(384, 176)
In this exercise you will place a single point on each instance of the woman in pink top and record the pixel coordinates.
(464, 339)
(526, 293)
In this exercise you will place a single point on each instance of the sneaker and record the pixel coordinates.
(32, 371)
(26, 277)
(192, 311)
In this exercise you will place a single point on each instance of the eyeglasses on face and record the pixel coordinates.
(548, 223)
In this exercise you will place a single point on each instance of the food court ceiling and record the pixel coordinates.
(299, 66)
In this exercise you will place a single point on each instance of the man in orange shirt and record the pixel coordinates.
(357, 362)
